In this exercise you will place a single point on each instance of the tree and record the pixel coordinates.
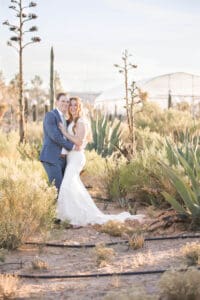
(19, 42)
(133, 96)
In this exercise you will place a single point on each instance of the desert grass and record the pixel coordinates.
(191, 252)
(103, 255)
(175, 285)
(8, 286)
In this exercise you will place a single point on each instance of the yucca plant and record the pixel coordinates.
(188, 190)
(106, 134)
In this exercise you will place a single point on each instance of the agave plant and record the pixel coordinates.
(189, 191)
(106, 134)
(186, 149)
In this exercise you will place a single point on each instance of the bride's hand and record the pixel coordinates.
(62, 128)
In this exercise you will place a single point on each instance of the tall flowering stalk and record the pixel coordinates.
(19, 42)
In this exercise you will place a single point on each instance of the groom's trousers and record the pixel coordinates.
(56, 171)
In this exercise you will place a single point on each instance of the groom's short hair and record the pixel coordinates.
(60, 95)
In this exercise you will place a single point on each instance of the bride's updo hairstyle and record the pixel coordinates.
(79, 111)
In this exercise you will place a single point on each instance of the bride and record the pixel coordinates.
(74, 202)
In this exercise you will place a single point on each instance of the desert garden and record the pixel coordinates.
(41, 260)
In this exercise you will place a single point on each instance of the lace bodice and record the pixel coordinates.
(86, 125)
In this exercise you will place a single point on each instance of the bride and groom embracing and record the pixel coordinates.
(63, 158)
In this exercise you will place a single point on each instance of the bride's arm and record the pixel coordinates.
(79, 137)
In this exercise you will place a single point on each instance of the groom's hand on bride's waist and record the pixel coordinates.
(77, 148)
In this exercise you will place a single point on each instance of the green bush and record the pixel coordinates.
(170, 122)
(138, 181)
(141, 179)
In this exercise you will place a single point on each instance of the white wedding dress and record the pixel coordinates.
(74, 202)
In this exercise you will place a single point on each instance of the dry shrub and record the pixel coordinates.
(113, 228)
(136, 241)
(8, 286)
(175, 285)
(26, 202)
(117, 228)
(39, 264)
(132, 293)
(8, 145)
(95, 164)
(191, 252)
(31, 149)
(103, 254)
(34, 132)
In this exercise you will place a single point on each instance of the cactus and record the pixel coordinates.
(169, 100)
(51, 79)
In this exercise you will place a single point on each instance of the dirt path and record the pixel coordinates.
(63, 261)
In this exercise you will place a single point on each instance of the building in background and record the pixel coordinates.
(181, 87)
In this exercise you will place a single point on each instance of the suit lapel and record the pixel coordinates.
(55, 111)
(57, 115)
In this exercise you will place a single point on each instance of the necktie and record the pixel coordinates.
(64, 151)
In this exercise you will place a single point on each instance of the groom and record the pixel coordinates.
(55, 146)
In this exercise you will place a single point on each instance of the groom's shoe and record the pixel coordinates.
(57, 221)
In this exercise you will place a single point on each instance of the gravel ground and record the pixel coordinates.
(67, 261)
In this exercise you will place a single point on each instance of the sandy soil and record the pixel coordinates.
(68, 261)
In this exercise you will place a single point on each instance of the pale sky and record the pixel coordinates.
(89, 36)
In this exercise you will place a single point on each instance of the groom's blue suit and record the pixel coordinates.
(53, 142)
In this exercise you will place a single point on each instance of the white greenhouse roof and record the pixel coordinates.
(182, 86)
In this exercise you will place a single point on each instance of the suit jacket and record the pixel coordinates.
(53, 140)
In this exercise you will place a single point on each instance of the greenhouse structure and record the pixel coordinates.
(180, 87)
